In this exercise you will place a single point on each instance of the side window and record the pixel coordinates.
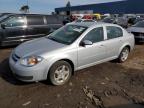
(14, 21)
(53, 20)
(95, 35)
(114, 32)
(35, 20)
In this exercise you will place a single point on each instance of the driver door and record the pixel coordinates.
(89, 55)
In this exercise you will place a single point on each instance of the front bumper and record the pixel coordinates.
(29, 74)
(139, 38)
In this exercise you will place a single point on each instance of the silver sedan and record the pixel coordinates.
(72, 47)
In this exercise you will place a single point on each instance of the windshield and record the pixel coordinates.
(139, 24)
(3, 17)
(67, 34)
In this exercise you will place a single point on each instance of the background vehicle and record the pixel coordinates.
(122, 21)
(138, 19)
(85, 20)
(3, 16)
(72, 47)
(17, 28)
(138, 31)
(97, 16)
(108, 20)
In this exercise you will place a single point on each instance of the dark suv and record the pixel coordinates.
(17, 28)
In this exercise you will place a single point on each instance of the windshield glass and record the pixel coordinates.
(3, 17)
(139, 24)
(67, 34)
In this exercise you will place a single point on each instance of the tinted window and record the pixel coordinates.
(35, 20)
(114, 32)
(95, 35)
(14, 21)
(3, 17)
(53, 19)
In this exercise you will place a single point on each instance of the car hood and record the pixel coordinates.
(37, 47)
(136, 29)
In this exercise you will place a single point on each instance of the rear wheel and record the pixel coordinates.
(124, 55)
(60, 73)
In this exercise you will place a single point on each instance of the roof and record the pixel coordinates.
(90, 24)
(26, 14)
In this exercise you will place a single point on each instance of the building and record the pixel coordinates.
(118, 7)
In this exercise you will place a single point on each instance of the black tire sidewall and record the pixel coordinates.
(54, 67)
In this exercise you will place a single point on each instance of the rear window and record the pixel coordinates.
(53, 20)
(114, 32)
(35, 20)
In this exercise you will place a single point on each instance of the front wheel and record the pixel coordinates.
(123, 55)
(60, 73)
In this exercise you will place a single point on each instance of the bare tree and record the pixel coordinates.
(68, 6)
(24, 9)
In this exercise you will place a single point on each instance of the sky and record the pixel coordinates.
(42, 6)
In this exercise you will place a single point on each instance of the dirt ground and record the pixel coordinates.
(108, 85)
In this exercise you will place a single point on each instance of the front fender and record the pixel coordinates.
(57, 58)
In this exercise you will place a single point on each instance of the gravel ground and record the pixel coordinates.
(108, 85)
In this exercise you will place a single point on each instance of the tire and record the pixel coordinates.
(60, 73)
(123, 55)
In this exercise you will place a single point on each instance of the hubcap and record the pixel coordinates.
(61, 74)
(124, 55)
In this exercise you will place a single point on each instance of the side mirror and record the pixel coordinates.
(2, 26)
(86, 42)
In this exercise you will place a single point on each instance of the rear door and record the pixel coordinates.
(114, 40)
(36, 26)
(14, 30)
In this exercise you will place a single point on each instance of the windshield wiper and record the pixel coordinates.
(52, 38)
(59, 41)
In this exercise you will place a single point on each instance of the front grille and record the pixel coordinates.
(138, 34)
(15, 57)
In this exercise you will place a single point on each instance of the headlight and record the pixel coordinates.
(30, 60)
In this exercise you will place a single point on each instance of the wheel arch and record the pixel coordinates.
(125, 45)
(70, 62)
(56, 60)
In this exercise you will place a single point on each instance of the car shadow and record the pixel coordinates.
(139, 43)
(8, 47)
(7, 75)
